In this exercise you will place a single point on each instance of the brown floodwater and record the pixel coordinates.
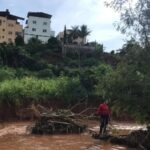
(13, 136)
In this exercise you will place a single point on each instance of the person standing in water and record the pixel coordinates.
(104, 112)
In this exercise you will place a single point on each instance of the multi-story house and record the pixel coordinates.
(9, 27)
(75, 44)
(38, 26)
(69, 40)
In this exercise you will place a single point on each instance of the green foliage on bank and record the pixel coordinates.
(37, 72)
(28, 90)
(128, 86)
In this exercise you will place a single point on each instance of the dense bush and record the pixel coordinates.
(46, 73)
(128, 85)
(6, 74)
(20, 91)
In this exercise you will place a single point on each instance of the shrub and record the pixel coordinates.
(6, 73)
(46, 73)
(20, 91)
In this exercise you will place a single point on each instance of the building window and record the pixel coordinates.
(44, 23)
(0, 22)
(10, 25)
(9, 32)
(3, 29)
(3, 37)
(34, 22)
(44, 30)
(33, 29)
(26, 21)
(9, 40)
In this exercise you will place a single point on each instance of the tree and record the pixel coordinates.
(129, 50)
(134, 18)
(65, 35)
(19, 41)
(74, 34)
(99, 48)
(34, 41)
(128, 85)
(35, 46)
(11, 55)
(53, 44)
(84, 31)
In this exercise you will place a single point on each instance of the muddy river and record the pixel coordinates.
(13, 136)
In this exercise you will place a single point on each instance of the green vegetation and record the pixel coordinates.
(26, 90)
(37, 72)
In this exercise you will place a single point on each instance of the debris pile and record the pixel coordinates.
(138, 139)
(57, 122)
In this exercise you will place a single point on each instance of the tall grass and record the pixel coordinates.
(20, 91)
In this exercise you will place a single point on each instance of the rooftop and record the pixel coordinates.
(39, 14)
(9, 16)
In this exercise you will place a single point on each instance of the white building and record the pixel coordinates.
(38, 26)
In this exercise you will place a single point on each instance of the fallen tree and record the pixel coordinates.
(52, 124)
(56, 122)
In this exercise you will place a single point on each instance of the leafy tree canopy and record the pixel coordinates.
(134, 18)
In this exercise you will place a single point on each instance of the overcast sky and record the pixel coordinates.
(93, 13)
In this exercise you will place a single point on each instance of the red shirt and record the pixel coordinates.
(103, 109)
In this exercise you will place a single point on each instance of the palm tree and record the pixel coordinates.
(65, 35)
(84, 31)
(74, 34)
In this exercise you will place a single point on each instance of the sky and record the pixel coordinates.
(93, 13)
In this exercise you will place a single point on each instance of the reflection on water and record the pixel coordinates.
(14, 137)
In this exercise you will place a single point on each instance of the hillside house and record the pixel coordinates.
(9, 27)
(38, 26)
(77, 41)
